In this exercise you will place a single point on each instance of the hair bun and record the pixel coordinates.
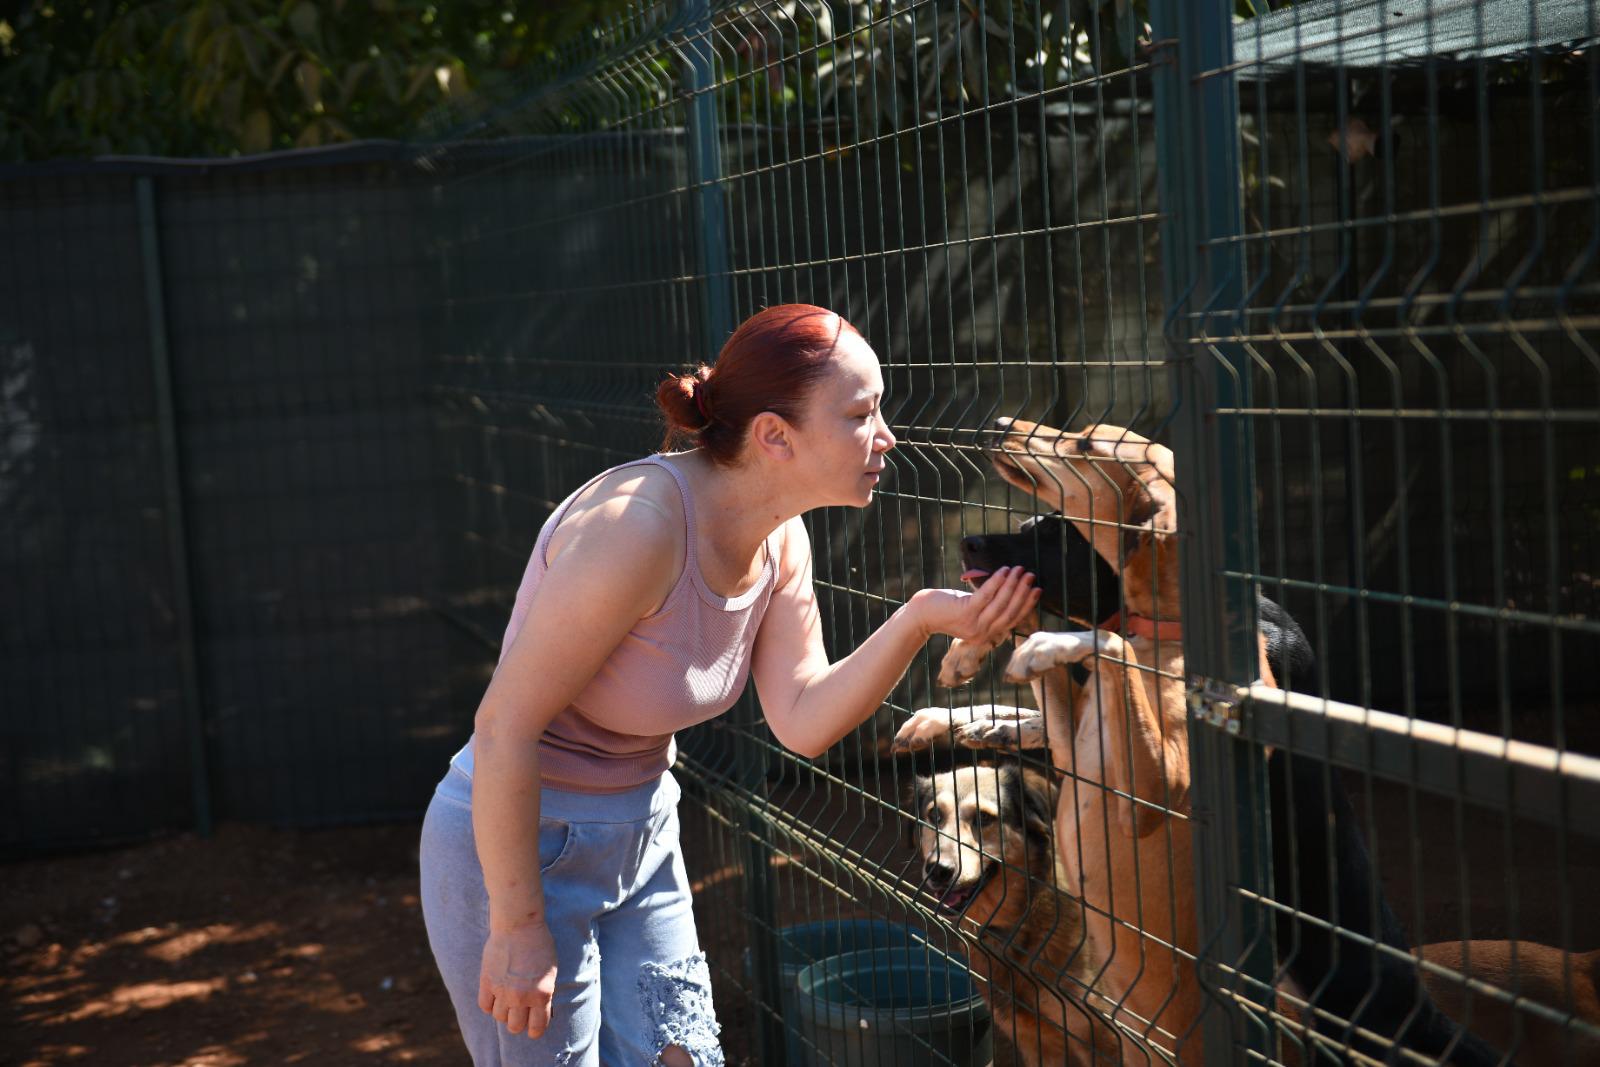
(700, 393)
(683, 401)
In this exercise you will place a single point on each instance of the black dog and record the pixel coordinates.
(1321, 865)
(1074, 581)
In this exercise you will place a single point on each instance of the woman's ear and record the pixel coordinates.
(772, 434)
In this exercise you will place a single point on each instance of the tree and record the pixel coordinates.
(224, 77)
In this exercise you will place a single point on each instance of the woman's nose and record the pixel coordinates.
(885, 436)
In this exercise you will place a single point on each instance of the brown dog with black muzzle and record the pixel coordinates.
(1121, 736)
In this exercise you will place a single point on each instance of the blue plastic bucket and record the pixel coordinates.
(801, 946)
(893, 1006)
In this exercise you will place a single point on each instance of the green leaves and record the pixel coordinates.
(939, 59)
(223, 77)
(305, 20)
(256, 132)
(308, 76)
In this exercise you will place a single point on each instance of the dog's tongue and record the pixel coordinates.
(974, 575)
(956, 897)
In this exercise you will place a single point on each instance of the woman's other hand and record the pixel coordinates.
(1006, 598)
(518, 977)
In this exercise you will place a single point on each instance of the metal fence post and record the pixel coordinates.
(1196, 102)
(705, 174)
(172, 494)
(717, 322)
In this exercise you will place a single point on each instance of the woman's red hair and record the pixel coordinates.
(771, 363)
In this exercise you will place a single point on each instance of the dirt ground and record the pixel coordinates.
(267, 946)
(256, 946)
(253, 946)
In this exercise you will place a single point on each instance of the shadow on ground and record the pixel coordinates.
(257, 946)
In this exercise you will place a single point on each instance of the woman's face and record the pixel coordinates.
(842, 438)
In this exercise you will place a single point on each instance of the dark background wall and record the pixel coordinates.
(293, 300)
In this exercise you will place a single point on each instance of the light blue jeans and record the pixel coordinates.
(617, 902)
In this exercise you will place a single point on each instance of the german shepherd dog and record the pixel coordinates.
(989, 859)
(1109, 471)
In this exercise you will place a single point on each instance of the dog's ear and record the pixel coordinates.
(1027, 801)
(1038, 803)
(1150, 499)
(1153, 505)
(921, 797)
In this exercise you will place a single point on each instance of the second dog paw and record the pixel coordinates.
(1025, 732)
(925, 726)
(1044, 651)
(962, 663)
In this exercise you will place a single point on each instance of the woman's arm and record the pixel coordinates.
(810, 703)
(616, 561)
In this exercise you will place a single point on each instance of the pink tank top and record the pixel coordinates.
(685, 663)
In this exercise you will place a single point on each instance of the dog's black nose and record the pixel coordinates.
(937, 874)
(973, 544)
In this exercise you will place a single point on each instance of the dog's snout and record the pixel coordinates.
(938, 874)
(973, 545)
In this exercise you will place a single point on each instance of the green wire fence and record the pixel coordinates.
(1339, 256)
(1317, 250)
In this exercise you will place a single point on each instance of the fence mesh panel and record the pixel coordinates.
(984, 214)
(1321, 277)
(1392, 304)
(1412, 330)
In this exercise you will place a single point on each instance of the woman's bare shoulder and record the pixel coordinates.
(637, 508)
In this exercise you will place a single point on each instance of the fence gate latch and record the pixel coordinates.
(1219, 703)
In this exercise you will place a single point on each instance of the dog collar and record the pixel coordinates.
(1144, 626)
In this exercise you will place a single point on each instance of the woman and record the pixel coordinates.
(552, 882)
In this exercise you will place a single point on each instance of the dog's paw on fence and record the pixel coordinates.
(919, 732)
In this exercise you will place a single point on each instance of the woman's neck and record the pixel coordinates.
(737, 508)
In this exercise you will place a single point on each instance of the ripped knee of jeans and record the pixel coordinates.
(677, 1000)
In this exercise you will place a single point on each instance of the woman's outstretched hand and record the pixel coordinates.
(986, 616)
(518, 977)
